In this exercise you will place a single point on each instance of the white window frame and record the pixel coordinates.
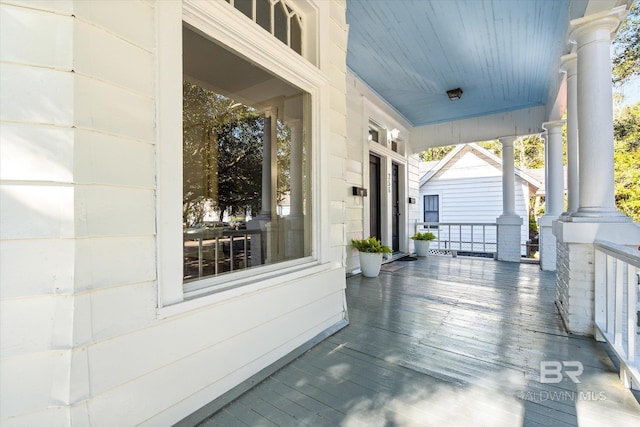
(230, 28)
(424, 207)
(288, 4)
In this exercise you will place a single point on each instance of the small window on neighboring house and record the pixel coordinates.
(431, 208)
(394, 146)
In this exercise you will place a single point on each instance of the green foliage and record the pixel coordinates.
(626, 127)
(627, 182)
(528, 151)
(240, 165)
(533, 223)
(494, 146)
(436, 153)
(427, 235)
(531, 152)
(626, 48)
(370, 245)
(223, 153)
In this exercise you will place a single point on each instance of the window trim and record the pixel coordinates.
(289, 9)
(424, 206)
(220, 22)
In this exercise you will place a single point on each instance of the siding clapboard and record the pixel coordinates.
(80, 338)
(470, 191)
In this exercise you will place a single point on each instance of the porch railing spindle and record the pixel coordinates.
(616, 319)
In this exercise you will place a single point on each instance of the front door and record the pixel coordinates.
(374, 197)
(395, 209)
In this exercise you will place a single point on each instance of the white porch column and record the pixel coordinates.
(554, 199)
(268, 138)
(570, 67)
(554, 193)
(295, 220)
(508, 177)
(509, 222)
(596, 216)
(595, 116)
(262, 247)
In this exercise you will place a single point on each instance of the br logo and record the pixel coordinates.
(551, 371)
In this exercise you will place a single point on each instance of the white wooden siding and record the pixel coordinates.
(363, 107)
(355, 170)
(80, 337)
(36, 214)
(470, 190)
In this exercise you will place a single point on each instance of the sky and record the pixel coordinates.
(631, 91)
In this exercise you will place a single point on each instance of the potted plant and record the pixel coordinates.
(421, 241)
(370, 251)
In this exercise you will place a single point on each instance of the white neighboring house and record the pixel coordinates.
(466, 187)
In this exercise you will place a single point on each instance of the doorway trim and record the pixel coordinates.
(388, 157)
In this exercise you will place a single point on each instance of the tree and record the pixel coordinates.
(240, 165)
(626, 48)
(626, 129)
(222, 155)
(494, 146)
(532, 152)
(528, 151)
(627, 183)
(436, 153)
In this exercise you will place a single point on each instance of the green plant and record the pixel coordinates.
(427, 235)
(370, 245)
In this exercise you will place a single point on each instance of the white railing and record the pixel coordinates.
(210, 252)
(462, 237)
(617, 308)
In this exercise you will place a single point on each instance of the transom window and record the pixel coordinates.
(276, 17)
(374, 135)
(246, 169)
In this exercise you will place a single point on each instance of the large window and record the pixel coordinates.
(246, 173)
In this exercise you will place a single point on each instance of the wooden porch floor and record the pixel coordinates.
(443, 342)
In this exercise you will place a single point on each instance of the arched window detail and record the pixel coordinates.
(275, 16)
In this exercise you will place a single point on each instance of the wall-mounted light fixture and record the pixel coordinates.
(359, 191)
(412, 200)
(454, 94)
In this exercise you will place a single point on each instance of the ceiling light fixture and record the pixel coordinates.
(454, 94)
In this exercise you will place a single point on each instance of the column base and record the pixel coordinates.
(509, 238)
(598, 215)
(294, 232)
(575, 285)
(259, 241)
(547, 243)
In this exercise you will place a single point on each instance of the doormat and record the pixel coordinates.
(407, 258)
(390, 268)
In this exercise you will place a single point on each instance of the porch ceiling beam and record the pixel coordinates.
(522, 122)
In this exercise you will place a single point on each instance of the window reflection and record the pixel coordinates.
(245, 168)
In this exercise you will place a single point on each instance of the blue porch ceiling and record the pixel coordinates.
(504, 54)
